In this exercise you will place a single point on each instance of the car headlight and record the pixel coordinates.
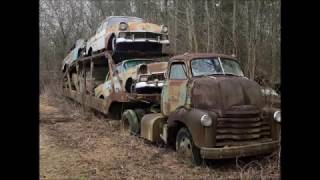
(206, 120)
(164, 29)
(277, 116)
(164, 37)
(123, 26)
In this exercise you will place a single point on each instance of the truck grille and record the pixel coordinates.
(241, 131)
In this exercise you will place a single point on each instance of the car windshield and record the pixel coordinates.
(211, 66)
(117, 20)
(132, 63)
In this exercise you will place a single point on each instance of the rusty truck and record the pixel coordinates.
(206, 108)
(209, 110)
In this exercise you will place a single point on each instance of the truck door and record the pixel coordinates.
(174, 92)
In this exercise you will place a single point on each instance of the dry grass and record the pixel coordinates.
(80, 145)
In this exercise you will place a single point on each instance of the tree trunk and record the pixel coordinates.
(234, 26)
(189, 29)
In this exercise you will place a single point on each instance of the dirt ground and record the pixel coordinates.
(76, 144)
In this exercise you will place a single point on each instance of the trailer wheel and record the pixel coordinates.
(140, 113)
(186, 148)
(130, 121)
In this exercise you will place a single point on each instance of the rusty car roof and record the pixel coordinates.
(201, 55)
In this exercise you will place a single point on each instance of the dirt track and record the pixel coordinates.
(75, 147)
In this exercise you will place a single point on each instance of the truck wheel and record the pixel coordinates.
(186, 148)
(130, 121)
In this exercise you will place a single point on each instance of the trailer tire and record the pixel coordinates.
(131, 120)
(186, 148)
(140, 113)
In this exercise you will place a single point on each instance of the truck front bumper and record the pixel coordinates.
(239, 151)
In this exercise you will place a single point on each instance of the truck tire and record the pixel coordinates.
(130, 118)
(186, 148)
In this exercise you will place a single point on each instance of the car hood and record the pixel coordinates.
(135, 26)
(157, 67)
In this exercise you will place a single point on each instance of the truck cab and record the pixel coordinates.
(210, 110)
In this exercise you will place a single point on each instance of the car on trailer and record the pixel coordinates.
(126, 34)
(76, 51)
(141, 74)
(102, 83)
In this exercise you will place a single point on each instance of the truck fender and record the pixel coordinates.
(190, 118)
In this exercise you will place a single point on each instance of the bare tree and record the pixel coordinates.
(250, 29)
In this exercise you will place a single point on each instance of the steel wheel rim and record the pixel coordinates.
(185, 148)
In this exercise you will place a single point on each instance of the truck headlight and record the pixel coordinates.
(164, 29)
(277, 116)
(206, 120)
(123, 26)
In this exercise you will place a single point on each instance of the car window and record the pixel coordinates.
(177, 71)
(99, 28)
(72, 47)
(119, 68)
(105, 25)
(133, 63)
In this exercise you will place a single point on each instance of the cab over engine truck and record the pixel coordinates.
(209, 110)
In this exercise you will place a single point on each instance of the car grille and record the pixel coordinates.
(143, 35)
(241, 131)
(159, 76)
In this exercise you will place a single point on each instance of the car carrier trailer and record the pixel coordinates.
(84, 74)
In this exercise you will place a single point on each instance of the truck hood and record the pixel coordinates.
(226, 95)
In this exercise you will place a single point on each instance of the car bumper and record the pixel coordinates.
(125, 40)
(239, 151)
(148, 85)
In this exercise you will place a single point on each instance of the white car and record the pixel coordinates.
(126, 34)
(76, 51)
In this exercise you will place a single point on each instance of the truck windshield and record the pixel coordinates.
(211, 66)
(133, 63)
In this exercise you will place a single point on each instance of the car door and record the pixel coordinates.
(100, 37)
(174, 92)
(92, 42)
